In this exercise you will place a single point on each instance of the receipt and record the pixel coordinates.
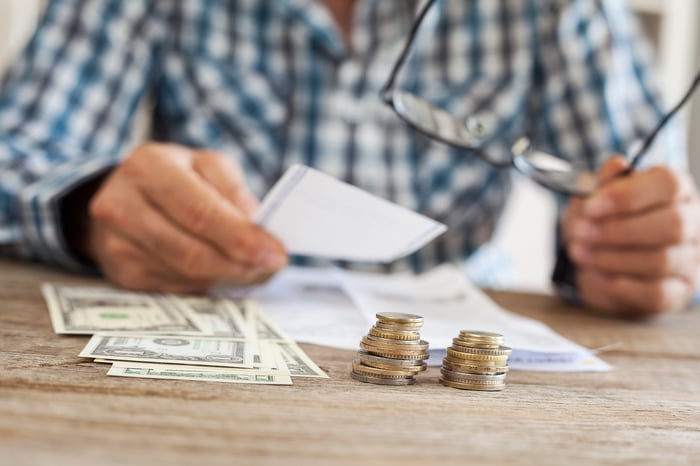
(314, 214)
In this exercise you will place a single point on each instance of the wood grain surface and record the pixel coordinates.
(58, 409)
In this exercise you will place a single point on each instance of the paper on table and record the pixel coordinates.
(314, 214)
(336, 308)
(449, 302)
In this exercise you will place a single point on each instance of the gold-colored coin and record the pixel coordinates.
(391, 364)
(359, 368)
(384, 327)
(382, 380)
(395, 345)
(398, 343)
(399, 318)
(500, 351)
(481, 335)
(476, 357)
(478, 339)
(370, 359)
(473, 368)
(413, 369)
(486, 364)
(466, 386)
(394, 334)
(474, 343)
(395, 355)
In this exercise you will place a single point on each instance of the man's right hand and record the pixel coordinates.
(175, 219)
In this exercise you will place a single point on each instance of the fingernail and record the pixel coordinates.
(599, 206)
(272, 259)
(580, 253)
(586, 230)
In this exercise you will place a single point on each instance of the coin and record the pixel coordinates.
(383, 381)
(399, 318)
(394, 334)
(360, 368)
(398, 343)
(386, 363)
(482, 379)
(476, 357)
(479, 339)
(500, 351)
(412, 357)
(466, 386)
(473, 368)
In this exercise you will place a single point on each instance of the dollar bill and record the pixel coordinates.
(297, 362)
(87, 310)
(175, 349)
(217, 316)
(263, 327)
(185, 372)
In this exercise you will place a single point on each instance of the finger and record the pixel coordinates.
(677, 261)
(624, 296)
(673, 224)
(127, 265)
(226, 176)
(175, 249)
(572, 211)
(638, 192)
(613, 167)
(184, 197)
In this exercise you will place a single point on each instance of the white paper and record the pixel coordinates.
(313, 214)
(336, 308)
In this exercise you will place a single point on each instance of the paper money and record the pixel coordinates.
(263, 327)
(88, 310)
(217, 316)
(175, 349)
(297, 362)
(209, 374)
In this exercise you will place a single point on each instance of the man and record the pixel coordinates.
(242, 89)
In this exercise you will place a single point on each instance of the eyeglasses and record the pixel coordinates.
(548, 170)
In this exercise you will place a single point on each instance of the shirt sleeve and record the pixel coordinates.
(598, 95)
(66, 107)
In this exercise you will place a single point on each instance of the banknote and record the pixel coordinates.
(263, 327)
(217, 316)
(88, 310)
(174, 349)
(199, 373)
(297, 362)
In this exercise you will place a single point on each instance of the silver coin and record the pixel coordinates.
(382, 381)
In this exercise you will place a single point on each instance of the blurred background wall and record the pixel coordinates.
(526, 234)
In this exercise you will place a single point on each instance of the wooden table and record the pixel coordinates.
(58, 409)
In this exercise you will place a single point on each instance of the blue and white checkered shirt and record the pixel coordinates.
(271, 83)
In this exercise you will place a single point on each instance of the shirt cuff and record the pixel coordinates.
(40, 210)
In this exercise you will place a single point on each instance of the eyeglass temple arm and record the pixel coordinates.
(388, 87)
(650, 138)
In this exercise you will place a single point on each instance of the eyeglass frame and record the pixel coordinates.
(476, 129)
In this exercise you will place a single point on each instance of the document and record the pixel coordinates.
(336, 308)
(313, 214)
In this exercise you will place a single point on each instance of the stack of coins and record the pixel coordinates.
(476, 361)
(392, 353)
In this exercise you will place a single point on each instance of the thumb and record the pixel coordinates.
(612, 167)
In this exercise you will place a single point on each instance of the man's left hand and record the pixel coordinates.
(635, 242)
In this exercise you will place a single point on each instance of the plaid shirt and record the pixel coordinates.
(271, 83)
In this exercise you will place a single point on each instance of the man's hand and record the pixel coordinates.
(175, 219)
(636, 241)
